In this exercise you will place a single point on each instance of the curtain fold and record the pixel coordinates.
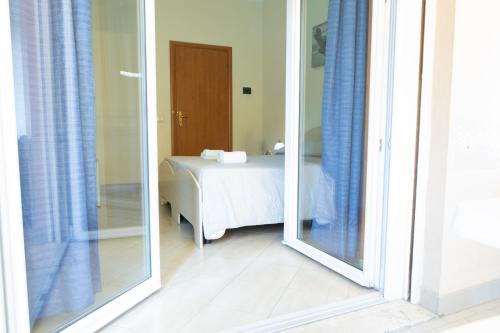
(54, 83)
(337, 223)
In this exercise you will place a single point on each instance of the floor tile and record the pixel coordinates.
(216, 319)
(248, 297)
(280, 253)
(246, 276)
(116, 329)
(294, 300)
(268, 275)
(382, 318)
(159, 314)
(307, 292)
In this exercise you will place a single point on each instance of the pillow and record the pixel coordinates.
(313, 148)
(313, 142)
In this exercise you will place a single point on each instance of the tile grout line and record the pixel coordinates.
(229, 282)
(284, 291)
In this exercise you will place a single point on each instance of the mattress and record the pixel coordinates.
(237, 195)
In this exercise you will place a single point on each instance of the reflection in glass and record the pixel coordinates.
(82, 154)
(333, 113)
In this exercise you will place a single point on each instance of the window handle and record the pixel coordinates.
(131, 74)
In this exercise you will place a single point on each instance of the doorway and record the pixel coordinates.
(131, 297)
(201, 97)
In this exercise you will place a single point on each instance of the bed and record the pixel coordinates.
(215, 197)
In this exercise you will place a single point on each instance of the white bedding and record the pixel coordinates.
(237, 195)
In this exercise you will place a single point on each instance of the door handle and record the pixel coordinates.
(180, 118)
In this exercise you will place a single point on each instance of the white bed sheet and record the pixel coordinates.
(237, 195)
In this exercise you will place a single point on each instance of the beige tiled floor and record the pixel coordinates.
(403, 317)
(459, 319)
(382, 318)
(246, 276)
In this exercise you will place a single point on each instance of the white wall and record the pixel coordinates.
(316, 13)
(474, 139)
(115, 47)
(274, 67)
(274, 60)
(234, 23)
(464, 153)
(254, 29)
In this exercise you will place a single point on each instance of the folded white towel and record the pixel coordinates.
(232, 157)
(209, 154)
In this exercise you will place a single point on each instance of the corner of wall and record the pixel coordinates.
(433, 156)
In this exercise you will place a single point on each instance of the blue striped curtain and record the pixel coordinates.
(54, 83)
(338, 221)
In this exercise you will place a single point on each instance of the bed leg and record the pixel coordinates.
(176, 216)
(198, 235)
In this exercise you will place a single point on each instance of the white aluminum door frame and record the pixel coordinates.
(12, 261)
(394, 83)
(12, 258)
(380, 46)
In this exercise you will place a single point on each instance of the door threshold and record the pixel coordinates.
(299, 318)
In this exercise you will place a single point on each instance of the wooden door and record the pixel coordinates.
(201, 98)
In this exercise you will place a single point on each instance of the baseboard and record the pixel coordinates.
(281, 323)
(122, 187)
(116, 233)
(429, 300)
(460, 300)
(469, 297)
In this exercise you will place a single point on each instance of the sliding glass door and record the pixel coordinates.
(332, 140)
(328, 110)
(88, 212)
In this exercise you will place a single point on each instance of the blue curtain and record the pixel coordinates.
(337, 225)
(52, 45)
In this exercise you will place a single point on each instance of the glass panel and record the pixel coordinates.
(82, 153)
(333, 113)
